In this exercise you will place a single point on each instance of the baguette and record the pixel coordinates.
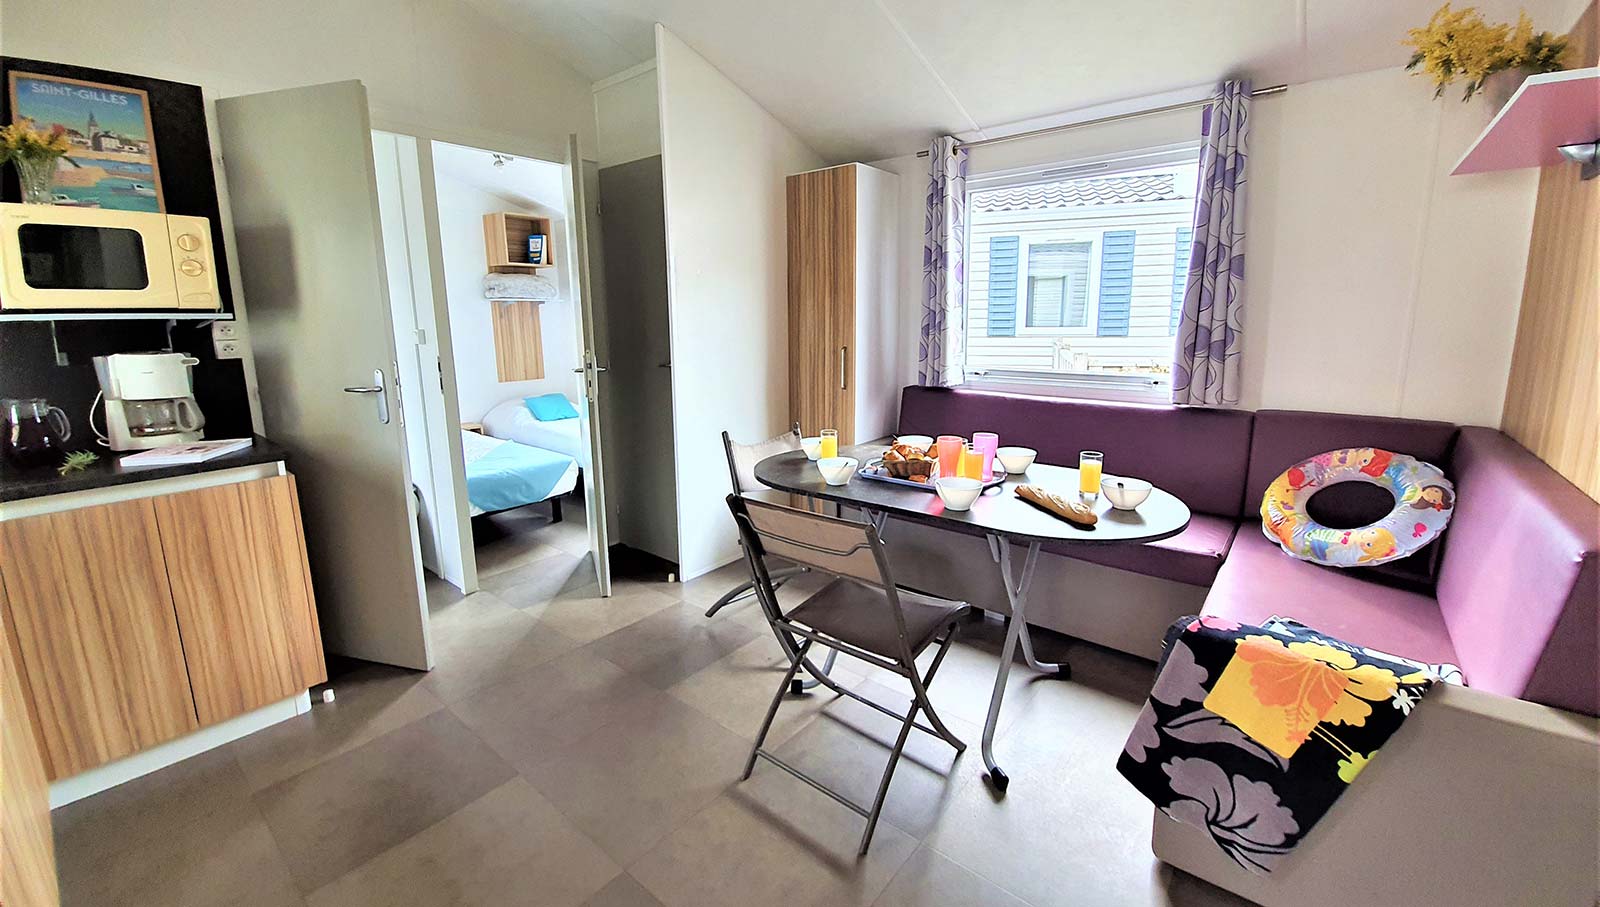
(1074, 512)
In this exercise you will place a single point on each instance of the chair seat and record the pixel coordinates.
(1192, 556)
(860, 616)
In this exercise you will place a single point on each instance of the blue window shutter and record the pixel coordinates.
(1116, 283)
(1180, 271)
(1003, 286)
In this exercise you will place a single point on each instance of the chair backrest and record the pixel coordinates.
(742, 458)
(843, 548)
(831, 545)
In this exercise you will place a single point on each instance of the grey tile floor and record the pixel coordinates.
(573, 750)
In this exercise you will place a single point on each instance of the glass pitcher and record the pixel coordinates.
(33, 432)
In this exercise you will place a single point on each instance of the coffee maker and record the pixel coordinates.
(149, 400)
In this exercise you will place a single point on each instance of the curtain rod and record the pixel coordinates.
(1259, 92)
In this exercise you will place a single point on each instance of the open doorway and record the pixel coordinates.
(515, 334)
(487, 294)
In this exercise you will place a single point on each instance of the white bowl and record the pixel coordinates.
(957, 492)
(812, 447)
(837, 470)
(1016, 460)
(920, 442)
(1124, 493)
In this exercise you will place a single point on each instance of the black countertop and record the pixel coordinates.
(19, 484)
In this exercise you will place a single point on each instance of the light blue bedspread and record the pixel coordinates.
(511, 475)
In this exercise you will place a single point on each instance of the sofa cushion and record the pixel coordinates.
(1519, 585)
(1258, 581)
(1283, 438)
(1197, 454)
(1192, 556)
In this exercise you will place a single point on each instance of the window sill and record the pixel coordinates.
(1114, 388)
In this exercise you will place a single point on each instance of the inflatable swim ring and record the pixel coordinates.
(1423, 499)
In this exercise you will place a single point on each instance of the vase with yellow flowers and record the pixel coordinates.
(35, 153)
(1492, 59)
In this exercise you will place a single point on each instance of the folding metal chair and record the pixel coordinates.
(742, 460)
(861, 613)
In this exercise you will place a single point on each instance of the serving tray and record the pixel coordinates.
(872, 469)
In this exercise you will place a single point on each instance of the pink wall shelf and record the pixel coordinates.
(1548, 111)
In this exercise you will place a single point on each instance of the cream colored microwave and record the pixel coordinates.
(65, 258)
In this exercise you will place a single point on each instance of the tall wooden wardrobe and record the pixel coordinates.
(842, 301)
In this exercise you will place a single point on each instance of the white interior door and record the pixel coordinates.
(304, 197)
(582, 215)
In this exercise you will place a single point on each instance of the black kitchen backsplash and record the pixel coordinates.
(188, 184)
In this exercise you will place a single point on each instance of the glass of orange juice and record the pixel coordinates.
(971, 463)
(1090, 464)
(830, 444)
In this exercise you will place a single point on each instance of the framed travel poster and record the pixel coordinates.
(112, 163)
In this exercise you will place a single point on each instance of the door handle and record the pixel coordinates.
(843, 350)
(377, 388)
(579, 371)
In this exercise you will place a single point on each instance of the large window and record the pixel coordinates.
(1075, 274)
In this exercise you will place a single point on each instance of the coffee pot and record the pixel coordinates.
(33, 432)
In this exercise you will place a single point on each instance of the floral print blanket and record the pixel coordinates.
(1252, 733)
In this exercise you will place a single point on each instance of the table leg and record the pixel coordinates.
(1016, 629)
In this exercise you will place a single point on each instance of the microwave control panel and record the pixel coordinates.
(194, 267)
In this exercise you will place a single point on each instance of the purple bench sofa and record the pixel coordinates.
(1510, 592)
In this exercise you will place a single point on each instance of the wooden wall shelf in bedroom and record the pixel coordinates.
(518, 343)
(505, 240)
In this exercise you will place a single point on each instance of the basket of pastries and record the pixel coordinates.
(904, 461)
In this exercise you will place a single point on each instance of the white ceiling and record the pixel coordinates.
(867, 79)
(527, 184)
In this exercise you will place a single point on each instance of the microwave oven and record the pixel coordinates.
(66, 258)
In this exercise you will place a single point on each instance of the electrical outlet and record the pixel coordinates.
(226, 329)
(229, 349)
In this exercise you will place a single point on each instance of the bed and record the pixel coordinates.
(503, 474)
(511, 421)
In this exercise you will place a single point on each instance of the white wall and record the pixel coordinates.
(627, 112)
(724, 160)
(1376, 283)
(478, 388)
(438, 66)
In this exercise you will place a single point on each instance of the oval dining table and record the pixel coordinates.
(1002, 518)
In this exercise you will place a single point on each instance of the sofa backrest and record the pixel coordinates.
(1197, 454)
(1283, 438)
(1519, 584)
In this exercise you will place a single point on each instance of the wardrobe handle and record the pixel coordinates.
(843, 350)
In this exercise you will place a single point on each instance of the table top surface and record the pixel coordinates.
(998, 511)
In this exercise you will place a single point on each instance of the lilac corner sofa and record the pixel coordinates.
(1511, 593)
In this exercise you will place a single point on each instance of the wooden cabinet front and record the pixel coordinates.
(90, 614)
(235, 557)
(27, 851)
(822, 260)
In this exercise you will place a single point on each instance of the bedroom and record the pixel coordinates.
(495, 420)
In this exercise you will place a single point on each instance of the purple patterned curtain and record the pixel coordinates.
(944, 235)
(1205, 368)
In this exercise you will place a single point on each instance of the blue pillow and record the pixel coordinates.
(550, 407)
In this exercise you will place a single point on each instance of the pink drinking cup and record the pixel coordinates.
(987, 442)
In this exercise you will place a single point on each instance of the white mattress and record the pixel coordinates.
(512, 421)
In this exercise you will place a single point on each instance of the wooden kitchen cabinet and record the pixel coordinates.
(27, 850)
(90, 614)
(236, 560)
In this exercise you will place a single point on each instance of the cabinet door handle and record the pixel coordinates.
(843, 350)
